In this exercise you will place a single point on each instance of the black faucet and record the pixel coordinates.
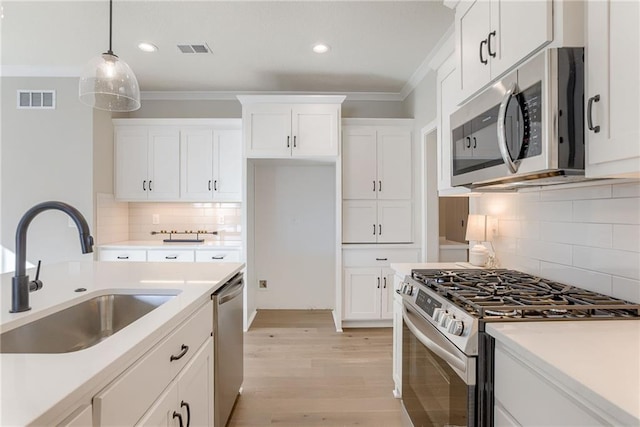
(20, 285)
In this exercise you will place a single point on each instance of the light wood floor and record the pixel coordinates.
(300, 372)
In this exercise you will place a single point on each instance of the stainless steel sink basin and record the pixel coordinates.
(80, 326)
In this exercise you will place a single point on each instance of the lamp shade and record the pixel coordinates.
(108, 83)
(476, 228)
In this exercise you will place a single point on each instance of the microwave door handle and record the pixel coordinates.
(502, 131)
(432, 342)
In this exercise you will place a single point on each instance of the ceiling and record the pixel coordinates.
(265, 46)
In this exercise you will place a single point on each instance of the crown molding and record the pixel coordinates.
(436, 56)
(233, 95)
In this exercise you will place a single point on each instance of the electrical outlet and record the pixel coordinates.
(155, 218)
(262, 284)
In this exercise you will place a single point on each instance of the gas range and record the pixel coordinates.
(459, 302)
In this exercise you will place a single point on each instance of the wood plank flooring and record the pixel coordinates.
(300, 372)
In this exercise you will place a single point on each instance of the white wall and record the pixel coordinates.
(46, 155)
(295, 235)
(587, 237)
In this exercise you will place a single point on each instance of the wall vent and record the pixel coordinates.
(37, 99)
(194, 48)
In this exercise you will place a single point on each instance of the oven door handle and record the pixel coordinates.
(433, 341)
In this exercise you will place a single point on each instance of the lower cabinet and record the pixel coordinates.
(170, 255)
(122, 255)
(188, 401)
(397, 339)
(368, 293)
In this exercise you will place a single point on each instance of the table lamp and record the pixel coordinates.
(477, 232)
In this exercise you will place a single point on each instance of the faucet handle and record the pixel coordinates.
(36, 284)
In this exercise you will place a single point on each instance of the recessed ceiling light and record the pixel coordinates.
(147, 47)
(321, 48)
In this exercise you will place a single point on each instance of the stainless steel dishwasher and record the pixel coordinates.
(227, 348)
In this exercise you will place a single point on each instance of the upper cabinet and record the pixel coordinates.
(291, 126)
(178, 159)
(612, 88)
(147, 163)
(492, 36)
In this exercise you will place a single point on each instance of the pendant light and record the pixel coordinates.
(108, 83)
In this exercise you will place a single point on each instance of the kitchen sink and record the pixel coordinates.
(80, 326)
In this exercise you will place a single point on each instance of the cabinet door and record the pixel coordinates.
(359, 163)
(394, 165)
(161, 412)
(123, 255)
(362, 293)
(613, 42)
(171, 255)
(359, 221)
(387, 293)
(268, 130)
(397, 347)
(315, 130)
(131, 165)
(227, 165)
(473, 27)
(521, 28)
(195, 389)
(395, 222)
(164, 164)
(196, 172)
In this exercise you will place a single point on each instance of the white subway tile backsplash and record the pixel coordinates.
(508, 228)
(626, 237)
(611, 261)
(555, 211)
(612, 211)
(545, 251)
(591, 280)
(530, 229)
(631, 189)
(598, 235)
(626, 289)
(577, 193)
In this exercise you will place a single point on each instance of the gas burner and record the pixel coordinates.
(512, 313)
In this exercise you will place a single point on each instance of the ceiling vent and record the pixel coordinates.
(194, 48)
(37, 99)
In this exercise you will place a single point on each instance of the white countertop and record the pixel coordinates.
(404, 269)
(159, 244)
(596, 360)
(39, 387)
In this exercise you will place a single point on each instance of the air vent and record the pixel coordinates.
(37, 99)
(194, 48)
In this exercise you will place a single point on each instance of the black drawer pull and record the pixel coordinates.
(179, 417)
(385, 282)
(144, 185)
(382, 259)
(123, 257)
(184, 404)
(171, 257)
(183, 351)
(209, 185)
(288, 139)
(150, 189)
(217, 257)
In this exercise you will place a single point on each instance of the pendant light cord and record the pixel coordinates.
(110, 52)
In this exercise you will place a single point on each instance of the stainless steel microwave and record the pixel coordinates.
(525, 130)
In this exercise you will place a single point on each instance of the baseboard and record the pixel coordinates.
(387, 323)
(251, 319)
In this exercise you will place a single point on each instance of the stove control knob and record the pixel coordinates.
(456, 327)
(445, 320)
(437, 314)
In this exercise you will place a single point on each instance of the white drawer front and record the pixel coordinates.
(377, 257)
(217, 255)
(176, 255)
(129, 396)
(123, 255)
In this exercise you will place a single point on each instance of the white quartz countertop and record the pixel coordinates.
(404, 269)
(599, 361)
(159, 244)
(37, 388)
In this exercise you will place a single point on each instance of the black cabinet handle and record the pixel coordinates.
(381, 259)
(183, 351)
(144, 185)
(491, 52)
(593, 99)
(468, 142)
(171, 257)
(378, 283)
(379, 186)
(374, 185)
(217, 257)
(215, 185)
(150, 189)
(374, 229)
(475, 142)
(184, 404)
(385, 283)
(288, 143)
(179, 417)
(294, 141)
(379, 229)
(209, 185)
(484, 61)
(123, 257)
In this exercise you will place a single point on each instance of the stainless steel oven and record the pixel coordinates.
(438, 380)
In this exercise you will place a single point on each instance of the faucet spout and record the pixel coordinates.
(20, 280)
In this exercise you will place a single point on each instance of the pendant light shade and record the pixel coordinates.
(108, 83)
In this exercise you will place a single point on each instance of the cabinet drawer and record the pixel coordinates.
(123, 255)
(167, 255)
(217, 256)
(377, 257)
(126, 399)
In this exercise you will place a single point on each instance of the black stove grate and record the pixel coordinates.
(501, 294)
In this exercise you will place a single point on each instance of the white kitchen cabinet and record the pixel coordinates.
(82, 417)
(122, 255)
(397, 337)
(188, 400)
(374, 163)
(217, 255)
(612, 88)
(171, 255)
(492, 36)
(275, 129)
(211, 165)
(368, 293)
(371, 221)
(147, 163)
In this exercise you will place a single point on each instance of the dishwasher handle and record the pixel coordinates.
(231, 290)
